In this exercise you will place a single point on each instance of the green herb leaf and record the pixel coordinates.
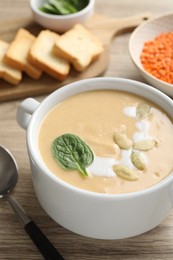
(63, 7)
(72, 153)
(48, 8)
(78, 4)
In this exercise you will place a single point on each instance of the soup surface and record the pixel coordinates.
(97, 117)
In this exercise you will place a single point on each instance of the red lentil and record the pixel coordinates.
(157, 57)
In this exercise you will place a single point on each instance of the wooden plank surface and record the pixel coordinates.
(14, 243)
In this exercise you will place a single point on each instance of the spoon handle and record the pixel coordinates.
(40, 240)
(42, 243)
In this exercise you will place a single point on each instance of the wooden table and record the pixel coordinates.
(14, 243)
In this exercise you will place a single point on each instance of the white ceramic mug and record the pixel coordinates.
(104, 216)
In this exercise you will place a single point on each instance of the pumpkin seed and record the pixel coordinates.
(138, 160)
(125, 173)
(144, 144)
(142, 110)
(122, 141)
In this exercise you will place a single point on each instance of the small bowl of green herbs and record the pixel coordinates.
(61, 15)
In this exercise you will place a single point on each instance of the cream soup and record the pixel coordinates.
(96, 117)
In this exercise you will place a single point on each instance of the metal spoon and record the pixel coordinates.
(8, 180)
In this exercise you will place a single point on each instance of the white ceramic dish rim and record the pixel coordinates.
(45, 170)
(161, 82)
(62, 17)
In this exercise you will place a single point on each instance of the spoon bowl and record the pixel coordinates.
(8, 172)
(8, 180)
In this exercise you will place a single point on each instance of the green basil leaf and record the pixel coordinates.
(72, 153)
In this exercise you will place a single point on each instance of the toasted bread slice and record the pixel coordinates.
(17, 53)
(42, 55)
(23, 33)
(79, 46)
(7, 72)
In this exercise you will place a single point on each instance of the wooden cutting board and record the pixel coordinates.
(104, 27)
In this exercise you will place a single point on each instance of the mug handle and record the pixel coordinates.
(25, 111)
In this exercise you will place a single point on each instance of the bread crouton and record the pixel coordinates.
(42, 55)
(7, 72)
(17, 53)
(79, 46)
